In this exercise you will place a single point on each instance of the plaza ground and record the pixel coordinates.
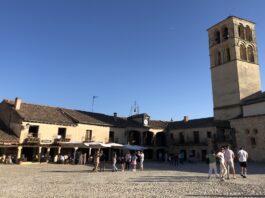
(158, 180)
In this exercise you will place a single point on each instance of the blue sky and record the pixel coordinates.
(154, 52)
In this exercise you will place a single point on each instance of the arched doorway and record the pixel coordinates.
(148, 138)
(134, 138)
(160, 139)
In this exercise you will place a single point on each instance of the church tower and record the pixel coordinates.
(234, 65)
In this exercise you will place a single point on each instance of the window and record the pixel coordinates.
(247, 131)
(217, 37)
(33, 131)
(218, 57)
(248, 33)
(181, 138)
(243, 54)
(196, 137)
(253, 141)
(171, 136)
(228, 58)
(241, 33)
(62, 133)
(225, 33)
(209, 134)
(250, 54)
(111, 136)
(88, 136)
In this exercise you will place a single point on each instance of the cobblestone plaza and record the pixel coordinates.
(157, 180)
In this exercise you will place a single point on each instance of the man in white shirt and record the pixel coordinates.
(242, 158)
(223, 170)
(229, 161)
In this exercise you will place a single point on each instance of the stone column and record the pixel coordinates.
(48, 154)
(40, 153)
(75, 154)
(59, 150)
(19, 149)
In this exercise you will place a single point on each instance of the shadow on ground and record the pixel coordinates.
(225, 195)
(253, 168)
(159, 179)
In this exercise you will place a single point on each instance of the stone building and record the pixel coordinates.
(43, 130)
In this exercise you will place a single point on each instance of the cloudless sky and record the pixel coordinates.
(155, 52)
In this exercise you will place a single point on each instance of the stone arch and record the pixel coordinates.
(248, 33)
(160, 139)
(148, 137)
(218, 57)
(225, 33)
(227, 54)
(134, 137)
(241, 31)
(217, 36)
(243, 53)
(250, 54)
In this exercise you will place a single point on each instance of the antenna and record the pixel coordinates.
(93, 101)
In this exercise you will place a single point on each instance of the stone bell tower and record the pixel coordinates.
(234, 65)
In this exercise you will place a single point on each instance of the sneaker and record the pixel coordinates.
(244, 176)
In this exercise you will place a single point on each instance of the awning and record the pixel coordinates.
(134, 147)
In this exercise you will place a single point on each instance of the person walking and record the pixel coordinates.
(141, 155)
(128, 158)
(114, 162)
(242, 158)
(102, 161)
(96, 161)
(134, 162)
(212, 164)
(223, 170)
(229, 161)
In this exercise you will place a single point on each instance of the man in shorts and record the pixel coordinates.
(223, 170)
(229, 161)
(242, 158)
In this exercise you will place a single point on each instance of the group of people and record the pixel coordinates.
(127, 161)
(7, 159)
(226, 158)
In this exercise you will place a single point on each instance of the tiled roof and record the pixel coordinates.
(7, 137)
(43, 114)
(56, 115)
(196, 123)
(158, 124)
(255, 98)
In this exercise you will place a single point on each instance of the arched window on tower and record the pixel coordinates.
(248, 33)
(241, 31)
(227, 53)
(217, 37)
(243, 54)
(225, 33)
(250, 54)
(218, 58)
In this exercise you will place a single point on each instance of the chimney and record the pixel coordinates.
(185, 119)
(18, 102)
(115, 116)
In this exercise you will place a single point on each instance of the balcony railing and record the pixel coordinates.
(176, 142)
(32, 140)
(60, 140)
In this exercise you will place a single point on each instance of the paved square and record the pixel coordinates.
(158, 180)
